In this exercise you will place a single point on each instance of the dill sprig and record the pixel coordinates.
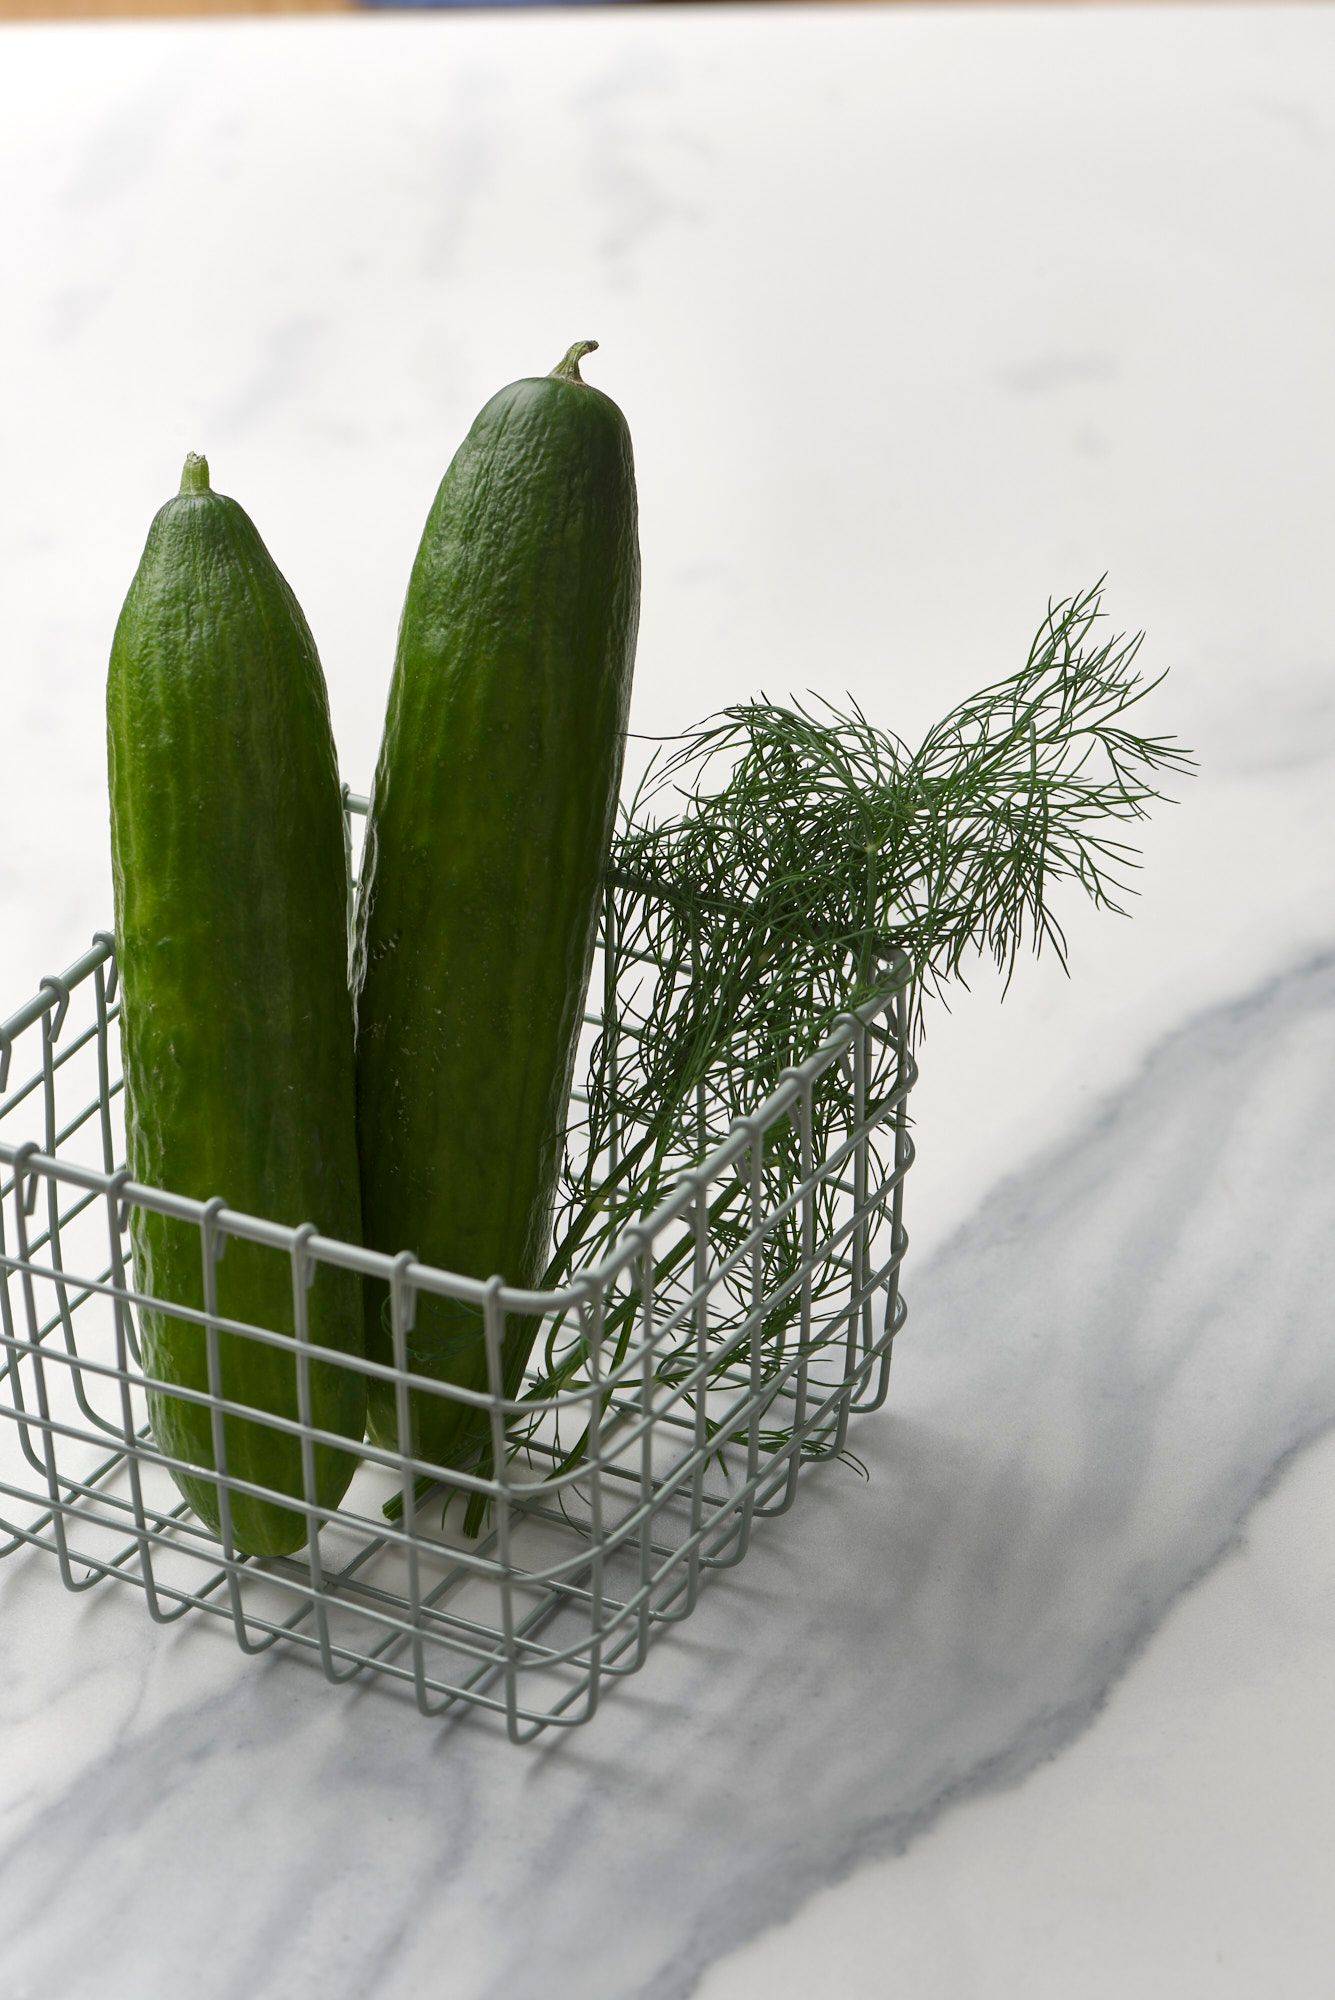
(770, 865)
(775, 857)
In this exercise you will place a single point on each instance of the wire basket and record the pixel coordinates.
(699, 1367)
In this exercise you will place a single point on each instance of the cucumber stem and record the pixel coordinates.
(195, 474)
(567, 369)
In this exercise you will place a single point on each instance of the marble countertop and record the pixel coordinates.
(918, 318)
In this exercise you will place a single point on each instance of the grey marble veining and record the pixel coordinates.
(1110, 1361)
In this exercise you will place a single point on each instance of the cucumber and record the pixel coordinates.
(227, 848)
(491, 817)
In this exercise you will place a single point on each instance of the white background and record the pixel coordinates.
(918, 319)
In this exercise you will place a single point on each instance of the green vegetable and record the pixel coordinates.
(769, 864)
(490, 820)
(228, 859)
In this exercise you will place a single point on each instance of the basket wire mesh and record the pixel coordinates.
(700, 1383)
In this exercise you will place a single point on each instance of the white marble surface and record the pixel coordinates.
(916, 319)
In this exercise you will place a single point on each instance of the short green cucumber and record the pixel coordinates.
(490, 823)
(231, 937)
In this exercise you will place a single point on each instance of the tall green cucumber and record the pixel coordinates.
(237, 1036)
(490, 823)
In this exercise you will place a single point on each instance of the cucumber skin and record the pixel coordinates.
(236, 1026)
(491, 818)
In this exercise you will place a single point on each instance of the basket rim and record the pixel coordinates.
(53, 997)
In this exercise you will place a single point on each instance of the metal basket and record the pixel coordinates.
(704, 1382)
